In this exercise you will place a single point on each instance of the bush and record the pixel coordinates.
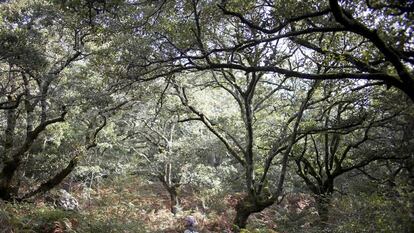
(371, 213)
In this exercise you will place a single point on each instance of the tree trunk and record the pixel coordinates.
(6, 177)
(322, 206)
(246, 207)
(175, 201)
(10, 163)
(241, 218)
(172, 190)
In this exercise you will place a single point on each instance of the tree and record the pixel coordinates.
(167, 150)
(346, 39)
(242, 144)
(164, 156)
(33, 79)
(40, 42)
(372, 50)
(321, 37)
(344, 133)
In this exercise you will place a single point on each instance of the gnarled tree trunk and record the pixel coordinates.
(175, 201)
(323, 200)
(171, 187)
(322, 206)
(247, 206)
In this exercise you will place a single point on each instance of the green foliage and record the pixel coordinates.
(372, 213)
(117, 66)
(27, 217)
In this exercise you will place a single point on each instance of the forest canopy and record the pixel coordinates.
(238, 111)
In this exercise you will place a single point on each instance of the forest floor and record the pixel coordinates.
(131, 205)
(128, 204)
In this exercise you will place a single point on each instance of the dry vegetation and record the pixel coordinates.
(131, 205)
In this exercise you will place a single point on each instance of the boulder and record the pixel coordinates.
(66, 201)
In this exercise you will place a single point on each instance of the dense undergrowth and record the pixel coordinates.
(128, 204)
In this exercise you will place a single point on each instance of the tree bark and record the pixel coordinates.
(246, 207)
(175, 201)
(10, 163)
(6, 176)
(172, 190)
(322, 206)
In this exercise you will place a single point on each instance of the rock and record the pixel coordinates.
(66, 201)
